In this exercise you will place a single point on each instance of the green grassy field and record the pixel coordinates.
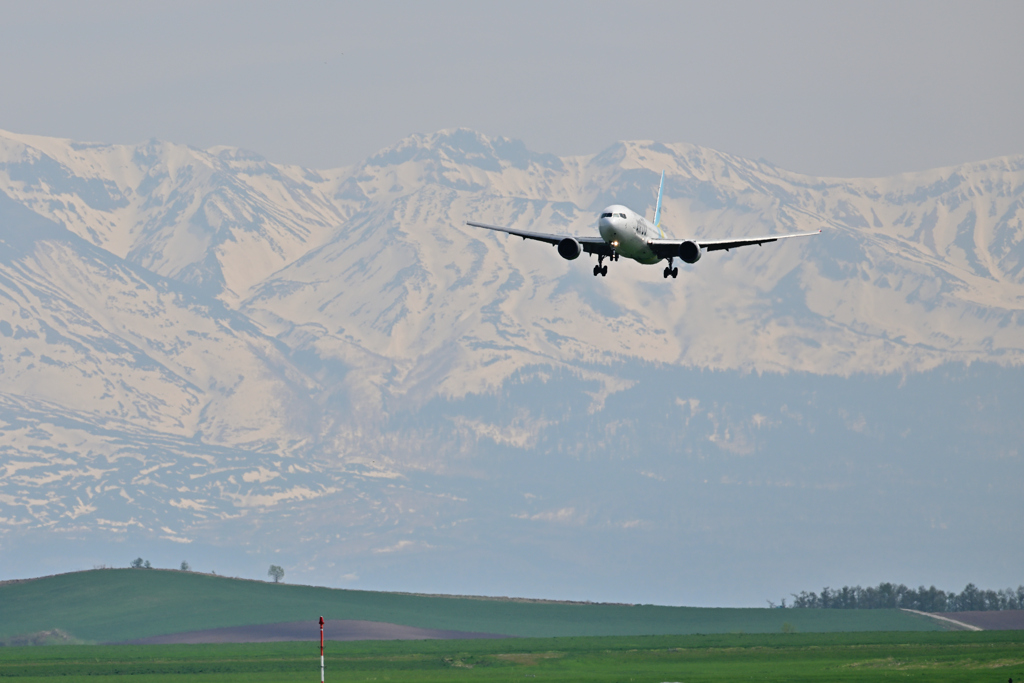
(113, 605)
(933, 657)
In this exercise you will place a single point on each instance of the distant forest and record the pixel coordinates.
(891, 595)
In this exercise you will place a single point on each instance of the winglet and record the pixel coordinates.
(657, 209)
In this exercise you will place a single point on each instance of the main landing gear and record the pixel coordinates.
(669, 270)
(601, 269)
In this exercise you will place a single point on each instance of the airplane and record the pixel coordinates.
(626, 233)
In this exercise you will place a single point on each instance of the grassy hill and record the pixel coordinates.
(112, 605)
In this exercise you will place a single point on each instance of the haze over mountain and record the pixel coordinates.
(207, 355)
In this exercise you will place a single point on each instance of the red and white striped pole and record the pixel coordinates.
(321, 650)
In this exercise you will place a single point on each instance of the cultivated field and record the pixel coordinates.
(932, 657)
(117, 605)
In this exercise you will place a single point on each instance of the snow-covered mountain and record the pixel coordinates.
(203, 346)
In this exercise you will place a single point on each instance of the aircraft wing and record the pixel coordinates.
(591, 245)
(666, 248)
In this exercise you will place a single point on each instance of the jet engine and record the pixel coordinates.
(569, 249)
(689, 251)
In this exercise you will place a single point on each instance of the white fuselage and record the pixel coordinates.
(628, 233)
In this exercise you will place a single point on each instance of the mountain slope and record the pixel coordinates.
(96, 334)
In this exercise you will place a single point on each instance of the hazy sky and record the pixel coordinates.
(858, 88)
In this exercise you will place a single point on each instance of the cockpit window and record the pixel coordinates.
(621, 215)
(606, 215)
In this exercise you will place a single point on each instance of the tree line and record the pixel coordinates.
(276, 572)
(893, 596)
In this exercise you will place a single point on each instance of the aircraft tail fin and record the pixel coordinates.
(657, 210)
